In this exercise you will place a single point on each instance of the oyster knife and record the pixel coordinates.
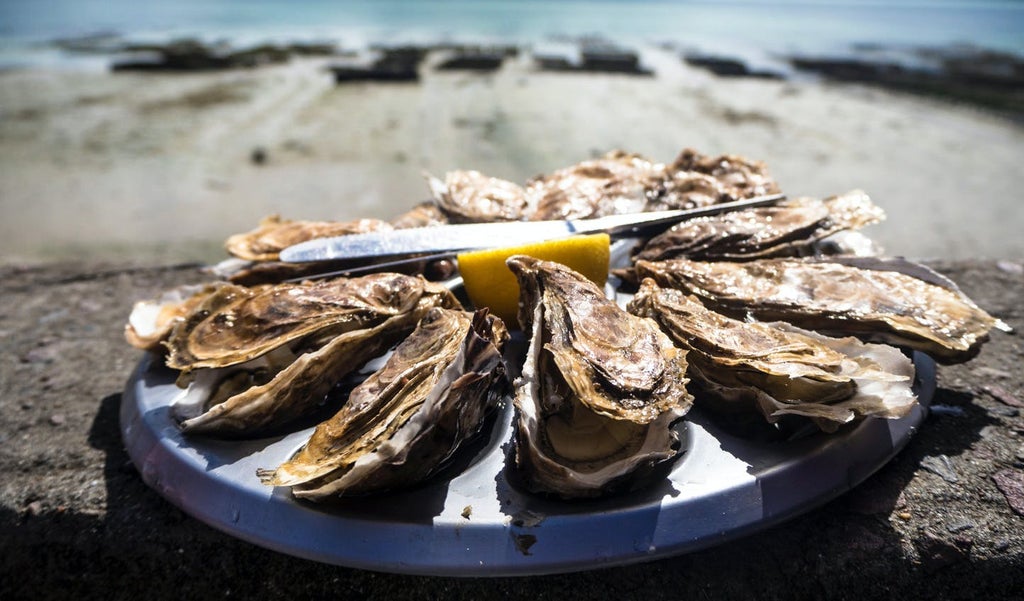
(475, 236)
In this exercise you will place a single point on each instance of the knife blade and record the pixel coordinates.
(474, 236)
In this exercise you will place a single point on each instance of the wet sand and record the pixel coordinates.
(159, 166)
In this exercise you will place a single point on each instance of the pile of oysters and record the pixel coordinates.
(784, 312)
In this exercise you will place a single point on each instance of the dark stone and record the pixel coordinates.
(596, 56)
(1010, 482)
(193, 55)
(941, 466)
(258, 156)
(473, 62)
(1002, 395)
(728, 67)
(937, 553)
(966, 74)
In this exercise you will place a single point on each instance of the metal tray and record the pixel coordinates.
(470, 521)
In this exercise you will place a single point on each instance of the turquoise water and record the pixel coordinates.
(741, 26)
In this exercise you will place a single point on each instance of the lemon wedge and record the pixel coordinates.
(489, 282)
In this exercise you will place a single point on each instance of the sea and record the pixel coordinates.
(754, 30)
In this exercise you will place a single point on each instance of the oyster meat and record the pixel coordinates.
(778, 368)
(599, 391)
(888, 301)
(403, 422)
(254, 362)
(790, 228)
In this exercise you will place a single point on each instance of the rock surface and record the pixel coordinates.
(79, 522)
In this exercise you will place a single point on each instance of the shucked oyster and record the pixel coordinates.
(401, 424)
(254, 362)
(873, 300)
(599, 390)
(789, 228)
(778, 368)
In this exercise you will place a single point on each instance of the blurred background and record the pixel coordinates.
(154, 130)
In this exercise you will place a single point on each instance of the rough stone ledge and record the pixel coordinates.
(942, 520)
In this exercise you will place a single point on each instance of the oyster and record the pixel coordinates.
(471, 197)
(790, 228)
(401, 424)
(618, 182)
(254, 362)
(696, 180)
(779, 368)
(274, 234)
(256, 253)
(257, 273)
(425, 214)
(896, 302)
(743, 178)
(599, 390)
(151, 321)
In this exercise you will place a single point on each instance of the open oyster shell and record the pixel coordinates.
(897, 302)
(401, 424)
(778, 368)
(599, 390)
(254, 362)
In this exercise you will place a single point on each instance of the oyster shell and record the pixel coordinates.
(274, 234)
(742, 177)
(151, 321)
(233, 327)
(790, 228)
(401, 424)
(618, 182)
(778, 368)
(599, 390)
(896, 302)
(472, 197)
(425, 214)
(255, 362)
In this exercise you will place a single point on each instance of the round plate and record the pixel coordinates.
(470, 521)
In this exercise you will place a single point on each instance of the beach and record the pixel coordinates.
(113, 165)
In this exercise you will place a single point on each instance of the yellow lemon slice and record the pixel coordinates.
(490, 283)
